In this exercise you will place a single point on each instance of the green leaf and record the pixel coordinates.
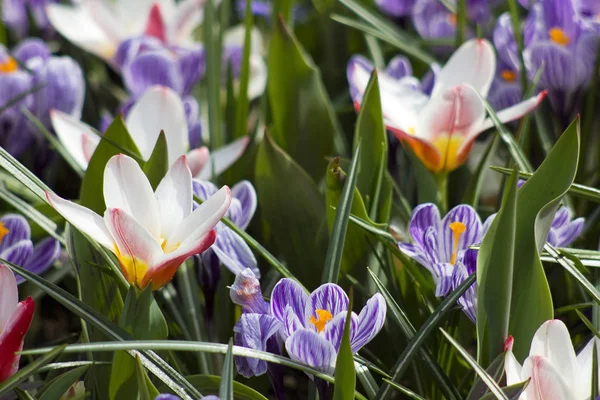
(537, 202)
(157, 165)
(210, 384)
(146, 389)
(495, 370)
(226, 387)
(371, 137)
(23, 394)
(142, 317)
(58, 386)
(92, 195)
(485, 377)
(23, 175)
(212, 46)
(24, 373)
(345, 375)
(495, 277)
(404, 390)
(337, 238)
(123, 380)
(473, 191)
(243, 104)
(513, 392)
(304, 123)
(294, 214)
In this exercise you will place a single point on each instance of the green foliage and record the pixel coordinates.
(58, 386)
(157, 165)
(345, 375)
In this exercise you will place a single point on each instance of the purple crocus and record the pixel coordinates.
(468, 266)
(15, 16)
(395, 8)
(231, 250)
(440, 245)
(16, 246)
(55, 82)
(564, 229)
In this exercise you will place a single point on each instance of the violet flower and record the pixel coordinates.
(59, 83)
(15, 16)
(564, 230)
(16, 246)
(468, 300)
(395, 8)
(231, 250)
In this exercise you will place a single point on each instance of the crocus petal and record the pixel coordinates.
(423, 216)
(474, 64)
(202, 219)
(78, 26)
(234, 253)
(127, 188)
(247, 293)
(312, 349)
(76, 136)
(562, 217)
(197, 159)
(83, 219)
(9, 296)
(174, 196)
(546, 381)
(11, 338)
(291, 322)
(158, 67)
(560, 70)
(18, 252)
(567, 234)
(160, 108)
(43, 256)
(18, 229)
(334, 329)
(223, 158)
(466, 215)
(329, 297)
(370, 322)
(245, 193)
(253, 331)
(287, 292)
(553, 343)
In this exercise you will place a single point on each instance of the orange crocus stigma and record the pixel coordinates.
(508, 75)
(452, 19)
(9, 65)
(458, 228)
(3, 231)
(557, 35)
(323, 317)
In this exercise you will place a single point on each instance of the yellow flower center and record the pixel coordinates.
(559, 36)
(163, 245)
(8, 66)
(3, 231)
(323, 317)
(508, 75)
(133, 269)
(458, 228)
(447, 146)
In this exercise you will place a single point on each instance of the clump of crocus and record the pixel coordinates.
(15, 319)
(151, 232)
(440, 128)
(554, 371)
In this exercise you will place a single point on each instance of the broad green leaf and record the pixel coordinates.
(58, 386)
(24, 373)
(23, 394)
(243, 103)
(210, 384)
(345, 375)
(157, 165)
(226, 387)
(337, 237)
(294, 212)
(495, 277)
(91, 195)
(212, 47)
(371, 136)
(495, 370)
(473, 191)
(485, 377)
(123, 382)
(512, 392)
(146, 389)
(304, 123)
(142, 317)
(537, 202)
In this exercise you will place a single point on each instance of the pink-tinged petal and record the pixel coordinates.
(197, 159)
(546, 381)
(78, 26)
(11, 338)
(474, 64)
(166, 266)
(552, 341)
(160, 108)
(312, 349)
(84, 219)
(76, 136)
(288, 293)
(423, 149)
(9, 296)
(127, 188)
(108, 19)
(137, 249)
(174, 196)
(512, 368)
(584, 361)
(155, 26)
(202, 220)
(515, 112)
(448, 119)
(223, 158)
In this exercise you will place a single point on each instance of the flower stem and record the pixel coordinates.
(441, 180)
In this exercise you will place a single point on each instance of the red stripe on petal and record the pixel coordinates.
(11, 339)
(155, 26)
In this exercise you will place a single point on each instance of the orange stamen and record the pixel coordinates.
(3, 231)
(323, 317)
(508, 75)
(458, 228)
(452, 19)
(8, 66)
(559, 36)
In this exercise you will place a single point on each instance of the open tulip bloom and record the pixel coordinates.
(160, 108)
(15, 319)
(441, 128)
(150, 232)
(555, 372)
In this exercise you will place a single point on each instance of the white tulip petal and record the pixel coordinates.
(174, 196)
(258, 77)
(160, 108)
(76, 136)
(197, 159)
(9, 295)
(127, 188)
(83, 219)
(223, 158)
(546, 381)
(515, 112)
